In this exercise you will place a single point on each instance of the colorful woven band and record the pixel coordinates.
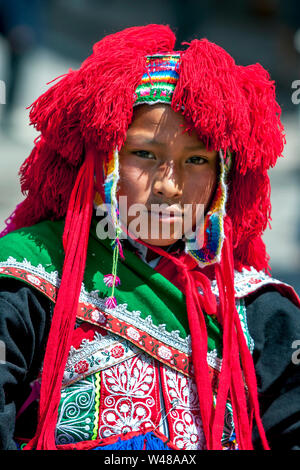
(207, 246)
(159, 82)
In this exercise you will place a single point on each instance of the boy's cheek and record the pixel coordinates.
(135, 187)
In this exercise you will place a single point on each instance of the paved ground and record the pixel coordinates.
(43, 65)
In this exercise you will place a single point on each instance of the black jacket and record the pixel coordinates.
(273, 322)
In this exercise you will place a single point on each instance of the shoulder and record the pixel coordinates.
(40, 244)
(272, 307)
(273, 320)
(34, 255)
(269, 301)
(44, 235)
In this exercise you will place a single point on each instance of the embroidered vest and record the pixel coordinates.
(129, 369)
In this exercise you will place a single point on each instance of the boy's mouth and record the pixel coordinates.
(170, 213)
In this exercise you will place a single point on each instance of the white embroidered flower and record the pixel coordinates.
(125, 417)
(33, 279)
(98, 316)
(95, 315)
(189, 432)
(133, 334)
(164, 353)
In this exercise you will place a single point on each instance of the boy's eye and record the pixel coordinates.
(196, 160)
(144, 154)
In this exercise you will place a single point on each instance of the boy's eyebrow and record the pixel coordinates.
(140, 140)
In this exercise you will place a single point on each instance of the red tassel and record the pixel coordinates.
(94, 104)
(48, 181)
(230, 107)
(249, 373)
(234, 347)
(75, 241)
(195, 302)
(231, 380)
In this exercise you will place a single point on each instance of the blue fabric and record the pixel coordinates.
(137, 443)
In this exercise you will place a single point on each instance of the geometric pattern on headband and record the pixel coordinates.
(159, 81)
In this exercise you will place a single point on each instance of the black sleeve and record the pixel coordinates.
(25, 316)
(274, 324)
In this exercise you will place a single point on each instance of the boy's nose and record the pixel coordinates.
(167, 185)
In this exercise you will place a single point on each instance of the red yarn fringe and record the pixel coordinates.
(230, 106)
(234, 375)
(75, 241)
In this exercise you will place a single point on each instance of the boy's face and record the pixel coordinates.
(162, 164)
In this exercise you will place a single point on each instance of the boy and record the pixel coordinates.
(170, 335)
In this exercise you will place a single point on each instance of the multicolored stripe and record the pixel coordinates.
(210, 236)
(159, 82)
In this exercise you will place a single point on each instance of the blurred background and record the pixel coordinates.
(42, 39)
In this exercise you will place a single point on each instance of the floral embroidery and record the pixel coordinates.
(164, 352)
(143, 340)
(125, 417)
(117, 351)
(81, 367)
(184, 420)
(129, 391)
(98, 317)
(185, 424)
(92, 356)
(189, 431)
(34, 280)
(133, 333)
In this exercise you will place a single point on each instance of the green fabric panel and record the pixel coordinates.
(138, 284)
(142, 288)
(76, 412)
(39, 244)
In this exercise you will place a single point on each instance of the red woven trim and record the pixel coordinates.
(173, 357)
(34, 280)
(155, 348)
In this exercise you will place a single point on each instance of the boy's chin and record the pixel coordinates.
(159, 242)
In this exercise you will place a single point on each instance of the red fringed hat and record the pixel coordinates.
(82, 119)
